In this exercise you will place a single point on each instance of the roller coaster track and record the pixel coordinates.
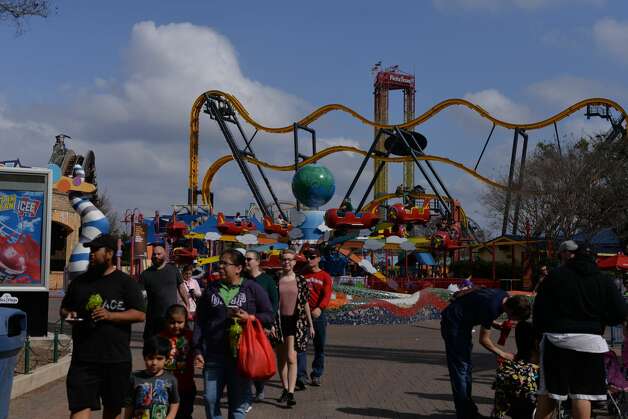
(318, 113)
(219, 163)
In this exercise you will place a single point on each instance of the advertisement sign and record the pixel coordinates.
(25, 216)
(396, 80)
(140, 240)
(21, 230)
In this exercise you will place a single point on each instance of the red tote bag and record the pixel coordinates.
(256, 358)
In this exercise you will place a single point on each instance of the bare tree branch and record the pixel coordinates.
(581, 191)
(18, 10)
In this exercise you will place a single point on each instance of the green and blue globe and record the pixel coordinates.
(313, 185)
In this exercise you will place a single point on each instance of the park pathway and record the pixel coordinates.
(371, 372)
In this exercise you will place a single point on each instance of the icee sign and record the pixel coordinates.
(21, 232)
(28, 207)
(25, 222)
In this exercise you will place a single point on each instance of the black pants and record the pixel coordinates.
(186, 403)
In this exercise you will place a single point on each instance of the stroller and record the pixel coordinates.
(617, 386)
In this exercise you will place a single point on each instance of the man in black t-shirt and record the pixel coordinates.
(164, 287)
(100, 304)
(469, 308)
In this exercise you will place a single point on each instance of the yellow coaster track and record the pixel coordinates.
(219, 163)
(200, 101)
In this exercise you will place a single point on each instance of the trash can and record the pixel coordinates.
(12, 336)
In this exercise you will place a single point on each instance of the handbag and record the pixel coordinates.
(256, 358)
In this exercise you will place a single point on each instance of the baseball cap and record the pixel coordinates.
(104, 240)
(568, 246)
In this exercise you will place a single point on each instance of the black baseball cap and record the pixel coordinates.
(104, 240)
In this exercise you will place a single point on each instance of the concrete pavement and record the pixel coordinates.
(371, 372)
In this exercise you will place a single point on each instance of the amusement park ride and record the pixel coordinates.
(446, 228)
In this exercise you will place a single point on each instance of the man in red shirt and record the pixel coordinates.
(320, 285)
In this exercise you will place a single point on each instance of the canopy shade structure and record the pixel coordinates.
(617, 261)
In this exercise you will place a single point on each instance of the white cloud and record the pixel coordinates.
(565, 90)
(612, 36)
(340, 141)
(500, 106)
(138, 125)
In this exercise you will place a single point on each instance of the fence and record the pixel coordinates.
(39, 352)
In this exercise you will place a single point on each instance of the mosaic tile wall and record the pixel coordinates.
(364, 306)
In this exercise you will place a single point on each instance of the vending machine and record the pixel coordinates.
(25, 214)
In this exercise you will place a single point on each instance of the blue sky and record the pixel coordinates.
(120, 78)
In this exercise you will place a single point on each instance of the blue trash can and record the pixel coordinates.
(12, 336)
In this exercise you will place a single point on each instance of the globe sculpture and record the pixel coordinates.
(313, 185)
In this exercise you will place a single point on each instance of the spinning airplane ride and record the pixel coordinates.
(451, 230)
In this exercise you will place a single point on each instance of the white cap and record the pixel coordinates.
(568, 246)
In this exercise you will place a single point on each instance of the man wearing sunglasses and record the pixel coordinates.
(320, 285)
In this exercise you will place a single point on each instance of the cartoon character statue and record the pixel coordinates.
(93, 221)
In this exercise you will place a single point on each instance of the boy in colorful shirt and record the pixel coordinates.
(154, 392)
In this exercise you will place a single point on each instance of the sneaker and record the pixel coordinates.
(315, 381)
(290, 401)
(284, 396)
(259, 397)
(300, 386)
(248, 408)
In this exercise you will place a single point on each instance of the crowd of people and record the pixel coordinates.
(188, 327)
(560, 354)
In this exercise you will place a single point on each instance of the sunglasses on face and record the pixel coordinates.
(250, 259)
(310, 257)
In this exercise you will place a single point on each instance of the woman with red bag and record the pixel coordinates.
(294, 326)
(225, 307)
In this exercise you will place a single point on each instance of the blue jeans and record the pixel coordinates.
(458, 346)
(318, 364)
(218, 372)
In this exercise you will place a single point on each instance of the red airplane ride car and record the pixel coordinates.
(234, 228)
(335, 218)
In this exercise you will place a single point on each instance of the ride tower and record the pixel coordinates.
(386, 80)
